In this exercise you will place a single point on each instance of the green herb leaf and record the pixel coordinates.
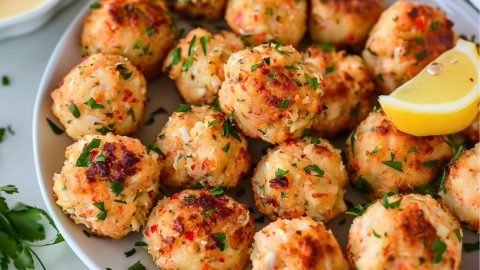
(431, 163)
(137, 45)
(9, 189)
(140, 244)
(83, 159)
(358, 209)
(137, 195)
(434, 25)
(120, 201)
(93, 104)
(226, 147)
(208, 212)
(103, 213)
(312, 81)
(271, 75)
(228, 129)
(213, 123)
(116, 187)
(374, 150)
(203, 42)
(137, 266)
(95, 5)
(87, 233)
(187, 64)
(221, 240)
(280, 173)
(154, 148)
(130, 252)
(469, 247)
(458, 234)
(131, 113)
(184, 108)
(371, 52)
(55, 128)
(362, 185)
(74, 110)
(269, 11)
(216, 105)
(376, 234)
(314, 140)
(124, 72)
(104, 129)
(438, 247)
(325, 47)
(397, 165)
(314, 168)
(297, 82)
(217, 191)
(191, 47)
(388, 205)
(421, 55)
(151, 119)
(149, 31)
(175, 55)
(282, 104)
(99, 157)
(329, 69)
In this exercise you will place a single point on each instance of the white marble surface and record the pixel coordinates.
(24, 59)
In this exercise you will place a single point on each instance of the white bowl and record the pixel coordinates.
(30, 20)
(49, 149)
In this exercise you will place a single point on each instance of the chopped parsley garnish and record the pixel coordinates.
(297, 82)
(131, 113)
(191, 47)
(228, 129)
(93, 104)
(434, 25)
(54, 127)
(151, 119)
(213, 123)
(187, 64)
(154, 148)
(371, 52)
(116, 187)
(149, 31)
(137, 45)
(421, 55)
(277, 48)
(390, 205)
(95, 5)
(305, 132)
(4, 131)
(314, 140)
(175, 54)
(397, 165)
(120, 201)
(217, 191)
(312, 81)
(184, 108)
(189, 198)
(208, 212)
(83, 159)
(458, 152)
(103, 213)
(221, 240)
(216, 104)
(329, 69)
(293, 67)
(87, 233)
(413, 149)
(5, 80)
(319, 172)
(358, 209)
(325, 46)
(431, 163)
(269, 11)
(469, 247)
(226, 147)
(105, 129)
(438, 247)
(137, 195)
(137, 266)
(265, 60)
(282, 104)
(130, 252)
(458, 234)
(203, 42)
(280, 173)
(374, 150)
(271, 75)
(376, 234)
(146, 48)
(140, 244)
(74, 110)
(362, 185)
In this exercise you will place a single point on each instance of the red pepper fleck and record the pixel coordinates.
(93, 154)
(189, 235)
(192, 167)
(127, 94)
(221, 260)
(175, 196)
(146, 233)
(153, 228)
(205, 164)
(351, 38)
(419, 23)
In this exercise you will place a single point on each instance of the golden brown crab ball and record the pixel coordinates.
(406, 38)
(462, 188)
(199, 9)
(343, 22)
(473, 131)
(197, 149)
(108, 183)
(406, 232)
(349, 89)
(297, 178)
(199, 229)
(196, 64)
(300, 243)
(273, 94)
(284, 21)
(382, 159)
(104, 93)
(137, 29)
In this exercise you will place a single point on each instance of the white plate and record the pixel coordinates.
(49, 149)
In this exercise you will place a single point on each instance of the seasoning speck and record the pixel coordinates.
(5, 80)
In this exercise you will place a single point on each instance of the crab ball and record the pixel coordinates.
(406, 38)
(104, 93)
(343, 22)
(273, 94)
(199, 229)
(199, 9)
(202, 145)
(108, 183)
(300, 243)
(382, 159)
(261, 21)
(405, 232)
(196, 63)
(137, 29)
(297, 178)
(462, 186)
(349, 89)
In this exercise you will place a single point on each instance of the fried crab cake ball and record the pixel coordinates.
(343, 22)
(406, 38)
(297, 178)
(197, 149)
(382, 159)
(261, 21)
(200, 9)
(196, 64)
(462, 188)
(108, 183)
(104, 93)
(273, 94)
(348, 89)
(405, 232)
(199, 229)
(300, 243)
(137, 29)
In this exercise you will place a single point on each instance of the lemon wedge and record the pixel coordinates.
(442, 99)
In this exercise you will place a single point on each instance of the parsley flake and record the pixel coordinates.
(184, 108)
(103, 213)
(191, 47)
(308, 169)
(54, 127)
(221, 240)
(203, 42)
(93, 104)
(116, 187)
(83, 159)
(226, 147)
(312, 81)
(438, 247)
(74, 110)
(282, 104)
